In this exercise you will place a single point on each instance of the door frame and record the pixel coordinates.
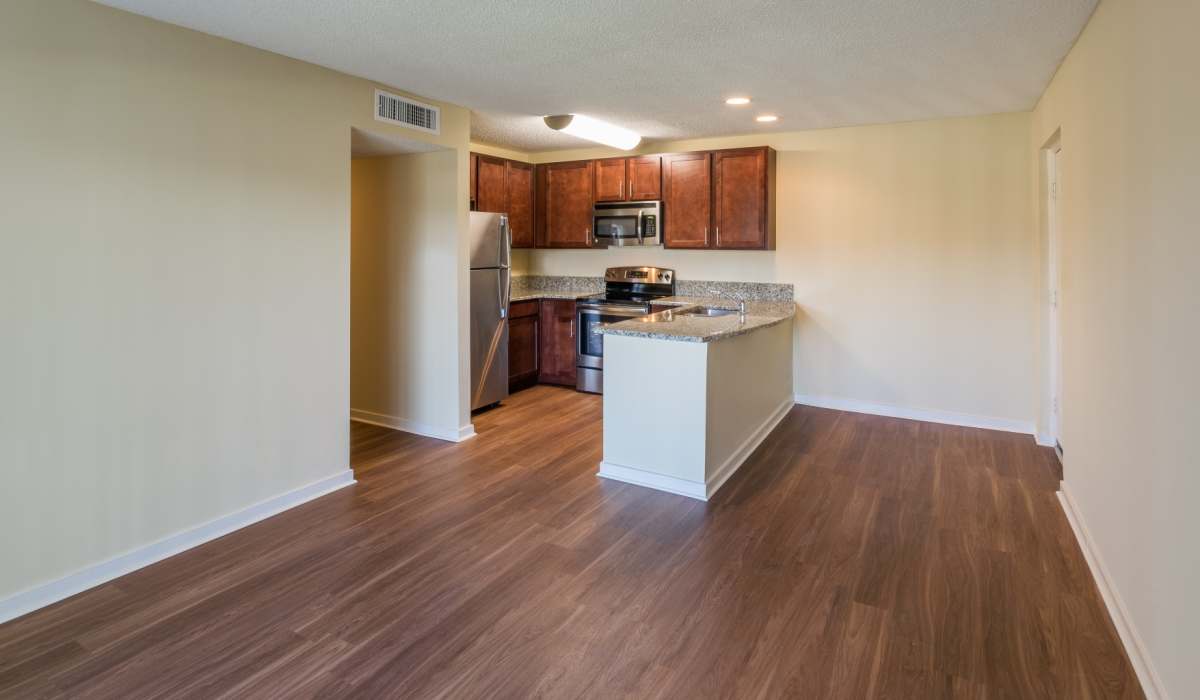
(1052, 195)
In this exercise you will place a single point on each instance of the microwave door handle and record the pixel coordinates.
(641, 231)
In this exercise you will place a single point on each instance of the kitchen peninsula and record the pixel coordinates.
(715, 376)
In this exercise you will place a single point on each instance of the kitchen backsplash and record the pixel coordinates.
(750, 291)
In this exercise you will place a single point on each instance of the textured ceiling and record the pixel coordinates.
(664, 68)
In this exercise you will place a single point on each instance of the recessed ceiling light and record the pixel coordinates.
(738, 101)
(766, 118)
(594, 130)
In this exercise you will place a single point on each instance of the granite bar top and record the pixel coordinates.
(672, 325)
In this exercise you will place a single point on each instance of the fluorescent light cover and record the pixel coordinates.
(766, 118)
(738, 101)
(591, 129)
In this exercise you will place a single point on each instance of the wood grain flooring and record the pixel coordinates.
(851, 557)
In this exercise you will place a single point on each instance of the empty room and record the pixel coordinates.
(385, 349)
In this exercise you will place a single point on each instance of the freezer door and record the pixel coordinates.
(488, 235)
(489, 336)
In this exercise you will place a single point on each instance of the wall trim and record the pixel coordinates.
(1135, 649)
(465, 432)
(1044, 439)
(966, 420)
(91, 576)
(660, 482)
(747, 448)
(701, 491)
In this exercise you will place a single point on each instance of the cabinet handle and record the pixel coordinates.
(572, 328)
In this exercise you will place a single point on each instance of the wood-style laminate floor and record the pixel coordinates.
(851, 557)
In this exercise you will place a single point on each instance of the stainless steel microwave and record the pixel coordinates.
(626, 223)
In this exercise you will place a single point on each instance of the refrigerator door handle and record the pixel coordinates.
(507, 241)
(500, 294)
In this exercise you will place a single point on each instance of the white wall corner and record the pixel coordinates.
(1135, 648)
(459, 434)
(966, 420)
(91, 576)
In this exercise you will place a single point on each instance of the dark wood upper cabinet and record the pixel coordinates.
(491, 186)
(611, 179)
(645, 178)
(474, 169)
(628, 179)
(565, 204)
(687, 193)
(743, 208)
(711, 199)
(556, 342)
(520, 203)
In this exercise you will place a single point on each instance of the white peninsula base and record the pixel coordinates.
(682, 416)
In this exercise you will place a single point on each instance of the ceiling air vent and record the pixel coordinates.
(395, 109)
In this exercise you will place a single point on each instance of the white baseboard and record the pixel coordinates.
(42, 595)
(465, 432)
(747, 448)
(1044, 439)
(1135, 649)
(653, 480)
(968, 420)
(695, 489)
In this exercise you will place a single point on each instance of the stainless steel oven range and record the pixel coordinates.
(628, 293)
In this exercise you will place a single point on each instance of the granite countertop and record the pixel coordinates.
(532, 294)
(671, 325)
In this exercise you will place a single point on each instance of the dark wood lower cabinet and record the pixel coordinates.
(556, 342)
(523, 344)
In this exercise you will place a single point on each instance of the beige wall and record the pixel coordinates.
(403, 245)
(913, 252)
(1127, 102)
(174, 282)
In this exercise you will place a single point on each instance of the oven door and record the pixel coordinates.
(590, 349)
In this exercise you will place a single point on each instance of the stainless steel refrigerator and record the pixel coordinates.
(491, 286)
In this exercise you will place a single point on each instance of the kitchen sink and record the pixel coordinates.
(706, 311)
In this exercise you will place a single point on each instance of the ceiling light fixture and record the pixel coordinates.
(594, 130)
(738, 101)
(766, 118)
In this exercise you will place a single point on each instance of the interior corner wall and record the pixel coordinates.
(404, 255)
(912, 248)
(174, 282)
(1127, 102)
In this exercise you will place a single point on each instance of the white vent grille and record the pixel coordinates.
(395, 109)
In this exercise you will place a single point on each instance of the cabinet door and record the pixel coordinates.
(491, 187)
(523, 344)
(610, 180)
(520, 203)
(568, 192)
(687, 193)
(556, 342)
(740, 198)
(645, 178)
